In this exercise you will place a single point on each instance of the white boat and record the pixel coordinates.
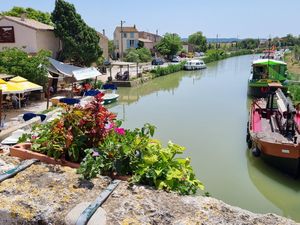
(194, 64)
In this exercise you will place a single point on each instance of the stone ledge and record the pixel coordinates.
(45, 194)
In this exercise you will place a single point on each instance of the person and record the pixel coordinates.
(51, 90)
(15, 101)
(8, 98)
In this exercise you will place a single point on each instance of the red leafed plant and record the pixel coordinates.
(77, 129)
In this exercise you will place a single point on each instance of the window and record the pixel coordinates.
(131, 35)
(124, 35)
(7, 34)
(131, 43)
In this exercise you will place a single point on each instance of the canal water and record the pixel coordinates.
(207, 111)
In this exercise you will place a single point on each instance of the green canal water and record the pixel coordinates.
(206, 111)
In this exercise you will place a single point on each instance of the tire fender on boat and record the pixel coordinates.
(256, 151)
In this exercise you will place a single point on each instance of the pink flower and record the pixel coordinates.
(34, 137)
(95, 154)
(109, 126)
(120, 131)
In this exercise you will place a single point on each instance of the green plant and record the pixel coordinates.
(17, 62)
(135, 153)
(172, 68)
(199, 41)
(30, 13)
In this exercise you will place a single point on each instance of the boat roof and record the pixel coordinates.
(268, 62)
(195, 60)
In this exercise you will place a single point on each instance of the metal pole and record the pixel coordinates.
(122, 39)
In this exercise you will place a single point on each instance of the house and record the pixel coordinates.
(129, 39)
(27, 34)
(103, 43)
(149, 39)
(155, 38)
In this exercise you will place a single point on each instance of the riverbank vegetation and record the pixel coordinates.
(92, 136)
(172, 68)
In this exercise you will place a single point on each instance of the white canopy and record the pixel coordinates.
(71, 71)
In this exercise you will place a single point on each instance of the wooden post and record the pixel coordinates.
(137, 69)
(48, 91)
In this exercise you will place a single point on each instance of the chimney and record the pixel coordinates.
(134, 26)
(103, 32)
(23, 16)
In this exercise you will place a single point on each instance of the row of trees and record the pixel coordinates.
(30, 13)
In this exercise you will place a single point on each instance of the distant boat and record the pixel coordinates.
(110, 98)
(194, 64)
(274, 132)
(267, 75)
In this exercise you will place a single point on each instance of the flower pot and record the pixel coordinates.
(23, 151)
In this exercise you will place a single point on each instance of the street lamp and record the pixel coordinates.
(122, 22)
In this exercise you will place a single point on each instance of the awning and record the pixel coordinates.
(74, 72)
(24, 84)
(9, 88)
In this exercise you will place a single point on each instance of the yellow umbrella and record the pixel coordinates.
(10, 88)
(25, 84)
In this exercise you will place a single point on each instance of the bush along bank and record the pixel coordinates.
(92, 136)
(215, 55)
(172, 68)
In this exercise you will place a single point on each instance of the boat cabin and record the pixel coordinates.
(269, 69)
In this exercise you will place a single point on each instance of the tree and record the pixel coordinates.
(30, 13)
(17, 62)
(138, 55)
(199, 41)
(169, 45)
(248, 43)
(111, 48)
(80, 43)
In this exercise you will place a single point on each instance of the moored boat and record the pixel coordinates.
(266, 75)
(274, 132)
(110, 98)
(194, 64)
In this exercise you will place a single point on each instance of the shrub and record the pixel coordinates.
(172, 68)
(135, 153)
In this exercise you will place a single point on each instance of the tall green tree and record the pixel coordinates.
(80, 43)
(169, 45)
(30, 13)
(111, 48)
(17, 62)
(199, 40)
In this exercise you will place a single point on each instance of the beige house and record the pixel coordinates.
(103, 43)
(130, 39)
(27, 34)
(155, 38)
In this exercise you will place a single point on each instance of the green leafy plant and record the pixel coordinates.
(135, 153)
(172, 68)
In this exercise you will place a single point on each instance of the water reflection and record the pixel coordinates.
(282, 190)
(207, 112)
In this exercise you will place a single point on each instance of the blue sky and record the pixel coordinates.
(228, 18)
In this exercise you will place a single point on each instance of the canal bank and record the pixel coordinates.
(46, 194)
(207, 111)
